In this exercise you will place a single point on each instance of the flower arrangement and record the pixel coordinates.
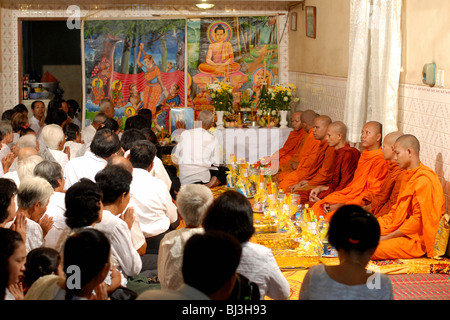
(222, 96)
(282, 95)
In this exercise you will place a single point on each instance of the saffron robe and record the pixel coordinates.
(416, 214)
(311, 161)
(382, 201)
(344, 166)
(369, 175)
(289, 148)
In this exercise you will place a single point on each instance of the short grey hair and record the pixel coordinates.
(32, 190)
(100, 117)
(53, 134)
(206, 117)
(25, 167)
(5, 127)
(50, 171)
(192, 201)
(27, 141)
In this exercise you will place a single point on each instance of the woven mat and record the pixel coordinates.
(421, 286)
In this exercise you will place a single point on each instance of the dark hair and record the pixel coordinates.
(130, 136)
(40, 262)
(231, 212)
(142, 154)
(105, 143)
(7, 115)
(111, 124)
(353, 228)
(114, 180)
(150, 135)
(82, 203)
(210, 260)
(51, 171)
(26, 131)
(219, 27)
(74, 107)
(9, 241)
(56, 116)
(89, 250)
(8, 189)
(137, 122)
(147, 114)
(34, 104)
(70, 131)
(20, 108)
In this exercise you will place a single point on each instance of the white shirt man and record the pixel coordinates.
(55, 209)
(86, 166)
(36, 121)
(151, 200)
(123, 253)
(197, 152)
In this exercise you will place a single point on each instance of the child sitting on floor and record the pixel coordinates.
(355, 234)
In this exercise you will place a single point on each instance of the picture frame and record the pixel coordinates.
(310, 13)
(181, 119)
(294, 21)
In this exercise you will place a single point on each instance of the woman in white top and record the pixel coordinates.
(231, 212)
(355, 234)
(73, 140)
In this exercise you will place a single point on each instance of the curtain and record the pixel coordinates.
(374, 65)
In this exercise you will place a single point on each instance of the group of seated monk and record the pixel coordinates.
(386, 178)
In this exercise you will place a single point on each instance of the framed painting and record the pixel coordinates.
(294, 21)
(181, 119)
(310, 21)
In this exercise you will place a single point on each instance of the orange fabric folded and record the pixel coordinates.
(290, 147)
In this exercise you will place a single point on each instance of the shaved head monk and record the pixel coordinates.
(292, 143)
(308, 145)
(297, 178)
(368, 176)
(410, 228)
(344, 166)
(381, 202)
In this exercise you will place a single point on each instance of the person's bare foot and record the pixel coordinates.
(214, 182)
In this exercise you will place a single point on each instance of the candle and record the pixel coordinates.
(264, 77)
(268, 118)
(239, 120)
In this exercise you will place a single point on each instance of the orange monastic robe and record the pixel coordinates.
(416, 214)
(382, 201)
(309, 157)
(344, 166)
(368, 177)
(290, 147)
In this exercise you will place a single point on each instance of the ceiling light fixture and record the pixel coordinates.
(205, 5)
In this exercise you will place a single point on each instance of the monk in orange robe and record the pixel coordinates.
(381, 202)
(409, 229)
(291, 145)
(344, 166)
(307, 119)
(368, 177)
(307, 168)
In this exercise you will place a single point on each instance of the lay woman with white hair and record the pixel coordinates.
(55, 139)
(32, 199)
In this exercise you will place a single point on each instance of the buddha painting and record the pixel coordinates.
(220, 57)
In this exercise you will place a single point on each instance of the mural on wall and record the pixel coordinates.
(135, 64)
(240, 50)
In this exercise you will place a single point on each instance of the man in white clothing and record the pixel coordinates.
(54, 139)
(37, 121)
(88, 133)
(104, 145)
(198, 154)
(210, 262)
(150, 199)
(53, 173)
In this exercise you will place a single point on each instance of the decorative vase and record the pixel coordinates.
(283, 119)
(219, 122)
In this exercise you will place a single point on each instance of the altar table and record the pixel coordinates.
(251, 143)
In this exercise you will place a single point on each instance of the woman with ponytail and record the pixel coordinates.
(355, 234)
